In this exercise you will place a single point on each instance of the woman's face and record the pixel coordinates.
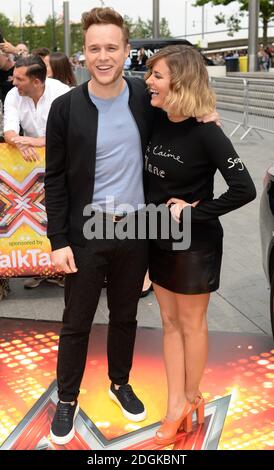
(159, 83)
(49, 69)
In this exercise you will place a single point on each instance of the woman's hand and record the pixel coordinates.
(177, 205)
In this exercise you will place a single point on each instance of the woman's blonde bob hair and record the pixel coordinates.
(190, 94)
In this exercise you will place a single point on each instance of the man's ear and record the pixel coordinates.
(36, 82)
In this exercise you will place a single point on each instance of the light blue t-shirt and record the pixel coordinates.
(119, 159)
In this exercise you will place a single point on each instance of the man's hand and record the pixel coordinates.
(8, 48)
(177, 205)
(63, 259)
(32, 141)
(28, 153)
(26, 146)
(213, 117)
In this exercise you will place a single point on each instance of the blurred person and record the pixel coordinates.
(60, 68)
(269, 57)
(127, 64)
(263, 59)
(6, 84)
(187, 153)
(82, 60)
(6, 74)
(21, 50)
(41, 51)
(141, 60)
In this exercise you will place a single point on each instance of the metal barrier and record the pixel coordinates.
(260, 106)
(250, 97)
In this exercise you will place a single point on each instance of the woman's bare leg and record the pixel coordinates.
(193, 321)
(173, 351)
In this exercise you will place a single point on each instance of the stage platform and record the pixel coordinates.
(238, 388)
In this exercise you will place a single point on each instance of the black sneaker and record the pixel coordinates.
(62, 426)
(132, 408)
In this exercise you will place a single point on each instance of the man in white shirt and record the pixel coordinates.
(28, 104)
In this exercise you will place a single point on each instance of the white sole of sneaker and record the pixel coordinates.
(129, 416)
(62, 440)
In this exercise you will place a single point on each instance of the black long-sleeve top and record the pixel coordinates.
(71, 157)
(181, 161)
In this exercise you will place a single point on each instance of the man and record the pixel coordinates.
(27, 105)
(106, 121)
(89, 124)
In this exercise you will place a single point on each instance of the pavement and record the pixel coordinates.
(242, 302)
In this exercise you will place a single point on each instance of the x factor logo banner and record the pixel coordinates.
(24, 247)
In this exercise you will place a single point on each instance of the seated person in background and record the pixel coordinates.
(27, 105)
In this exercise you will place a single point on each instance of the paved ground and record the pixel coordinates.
(242, 302)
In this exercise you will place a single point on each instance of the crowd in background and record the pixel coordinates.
(265, 57)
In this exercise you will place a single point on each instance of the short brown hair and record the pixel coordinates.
(190, 93)
(36, 67)
(105, 16)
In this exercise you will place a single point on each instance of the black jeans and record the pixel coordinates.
(124, 262)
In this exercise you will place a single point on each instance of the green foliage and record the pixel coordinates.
(42, 35)
(144, 28)
(233, 22)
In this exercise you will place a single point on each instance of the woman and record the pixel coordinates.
(186, 155)
(59, 67)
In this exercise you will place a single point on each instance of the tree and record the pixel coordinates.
(266, 13)
(4, 24)
(42, 36)
(144, 28)
(164, 28)
(10, 32)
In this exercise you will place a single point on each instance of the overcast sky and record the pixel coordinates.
(174, 10)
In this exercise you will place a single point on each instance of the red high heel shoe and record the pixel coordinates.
(198, 405)
(167, 432)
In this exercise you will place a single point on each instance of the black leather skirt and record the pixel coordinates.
(192, 271)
